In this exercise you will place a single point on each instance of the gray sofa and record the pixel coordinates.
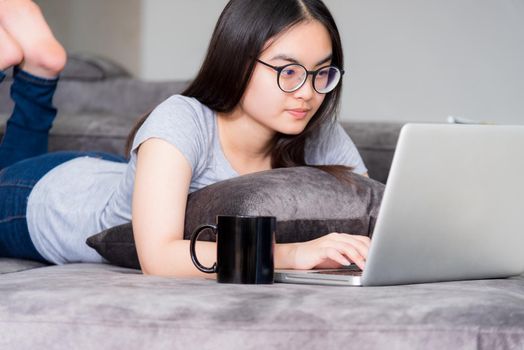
(90, 306)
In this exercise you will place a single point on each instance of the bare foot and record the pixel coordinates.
(24, 22)
(11, 53)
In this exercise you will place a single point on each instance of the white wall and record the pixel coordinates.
(175, 36)
(109, 28)
(424, 60)
(408, 60)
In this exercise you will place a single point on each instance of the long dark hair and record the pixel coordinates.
(242, 30)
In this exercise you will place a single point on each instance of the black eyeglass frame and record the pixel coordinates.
(313, 73)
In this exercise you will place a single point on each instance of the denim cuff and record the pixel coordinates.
(28, 77)
(2, 76)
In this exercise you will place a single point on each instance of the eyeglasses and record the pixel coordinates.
(292, 77)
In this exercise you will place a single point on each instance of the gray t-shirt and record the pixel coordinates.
(87, 195)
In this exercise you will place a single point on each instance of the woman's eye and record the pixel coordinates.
(323, 73)
(288, 73)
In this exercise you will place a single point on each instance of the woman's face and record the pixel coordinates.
(307, 43)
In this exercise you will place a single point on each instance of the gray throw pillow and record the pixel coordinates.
(88, 67)
(307, 202)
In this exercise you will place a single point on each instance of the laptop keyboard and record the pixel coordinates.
(352, 270)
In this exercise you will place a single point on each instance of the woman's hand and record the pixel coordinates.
(331, 251)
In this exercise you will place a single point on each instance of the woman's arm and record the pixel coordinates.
(163, 176)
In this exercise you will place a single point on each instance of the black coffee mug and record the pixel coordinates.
(245, 247)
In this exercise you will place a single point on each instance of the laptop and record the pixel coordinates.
(453, 209)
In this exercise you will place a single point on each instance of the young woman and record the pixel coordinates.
(265, 97)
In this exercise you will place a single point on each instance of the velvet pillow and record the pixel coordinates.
(307, 202)
(88, 67)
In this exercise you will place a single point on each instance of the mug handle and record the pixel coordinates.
(192, 251)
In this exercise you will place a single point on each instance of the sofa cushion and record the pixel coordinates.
(99, 306)
(8, 265)
(307, 202)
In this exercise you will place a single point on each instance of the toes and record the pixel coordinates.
(42, 54)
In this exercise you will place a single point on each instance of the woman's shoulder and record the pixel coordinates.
(330, 144)
(180, 120)
(183, 122)
(179, 110)
(325, 130)
(182, 104)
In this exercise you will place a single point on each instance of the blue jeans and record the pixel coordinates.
(24, 159)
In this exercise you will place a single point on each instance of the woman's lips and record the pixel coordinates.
(298, 113)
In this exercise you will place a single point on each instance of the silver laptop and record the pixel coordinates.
(453, 209)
